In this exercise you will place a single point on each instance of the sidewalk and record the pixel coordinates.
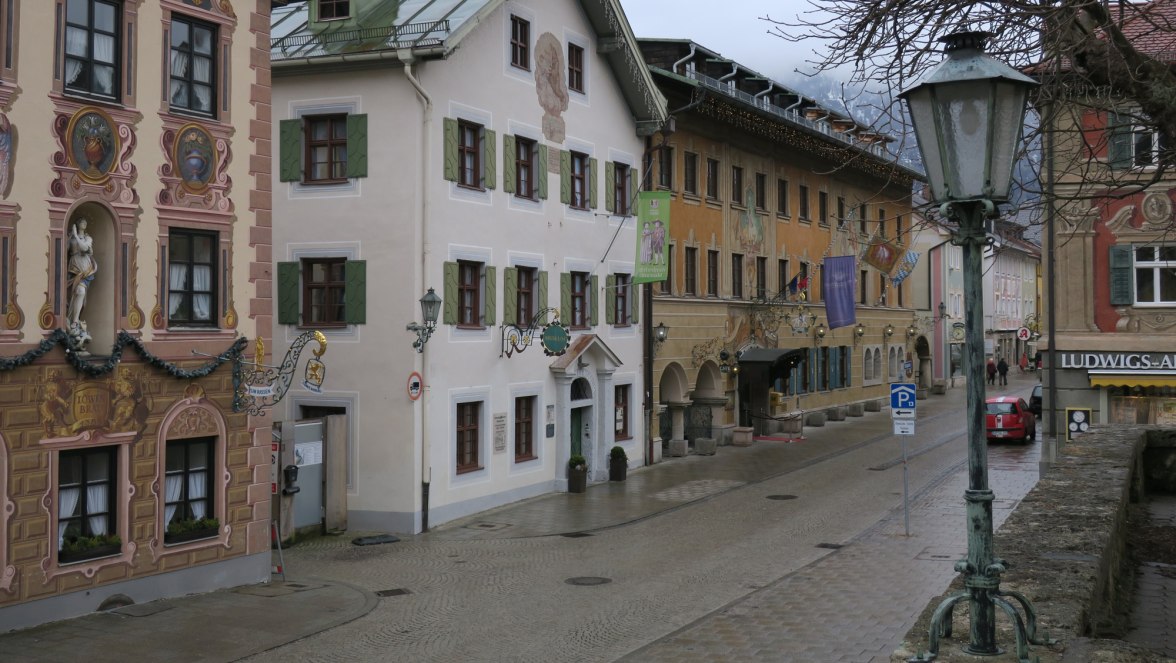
(253, 619)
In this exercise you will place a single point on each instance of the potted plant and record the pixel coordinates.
(577, 474)
(78, 548)
(190, 529)
(618, 464)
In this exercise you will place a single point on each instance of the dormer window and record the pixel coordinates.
(330, 10)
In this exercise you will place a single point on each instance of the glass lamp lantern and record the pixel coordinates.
(968, 112)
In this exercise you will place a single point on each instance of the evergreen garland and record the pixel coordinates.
(95, 369)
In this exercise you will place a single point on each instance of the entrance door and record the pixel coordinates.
(577, 431)
(308, 456)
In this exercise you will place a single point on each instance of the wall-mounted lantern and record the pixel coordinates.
(430, 307)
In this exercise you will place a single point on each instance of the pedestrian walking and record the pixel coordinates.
(1024, 361)
(991, 370)
(1003, 369)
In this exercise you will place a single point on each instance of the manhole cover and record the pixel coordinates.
(375, 540)
(576, 535)
(588, 581)
(781, 497)
(487, 526)
(393, 592)
(830, 546)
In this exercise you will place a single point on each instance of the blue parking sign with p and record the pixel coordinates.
(902, 396)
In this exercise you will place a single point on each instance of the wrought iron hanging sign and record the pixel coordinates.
(554, 336)
(263, 386)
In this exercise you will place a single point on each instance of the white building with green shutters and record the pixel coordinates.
(490, 151)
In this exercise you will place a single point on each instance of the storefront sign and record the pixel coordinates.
(499, 432)
(1123, 361)
(555, 339)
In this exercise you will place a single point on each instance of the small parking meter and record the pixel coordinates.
(290, 476)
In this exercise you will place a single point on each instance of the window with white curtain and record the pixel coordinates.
(188, 487)
(92, 63)
(192, 283)
(86, 511)
(193, 66)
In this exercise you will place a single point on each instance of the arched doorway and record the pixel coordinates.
(926, 365)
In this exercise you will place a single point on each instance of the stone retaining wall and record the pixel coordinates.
(1065, 546)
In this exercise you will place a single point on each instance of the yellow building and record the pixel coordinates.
(134, 187)
(766, 185)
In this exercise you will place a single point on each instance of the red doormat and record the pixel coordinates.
(780, 438)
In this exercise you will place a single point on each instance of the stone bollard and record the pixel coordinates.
(678, 448)
(704, 446)
(791, 425)
(815, 419)
(920, 393)
(722, 433)
(939, 388)
(836, 413)
(743, 436)
(874, 406)
(855, 409)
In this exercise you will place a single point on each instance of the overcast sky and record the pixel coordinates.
(733, 28)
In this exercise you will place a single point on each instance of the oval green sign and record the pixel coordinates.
(555, 339)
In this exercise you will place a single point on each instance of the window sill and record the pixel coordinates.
(525, 459)
(620, 438)
(532, 198)
(468, 470)
(331, 182)
(471, 187)
(738, 205)
(322, 325)
(525, 68)
(691, 196)
(471, 327)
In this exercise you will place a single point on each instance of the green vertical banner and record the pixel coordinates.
(653, 236)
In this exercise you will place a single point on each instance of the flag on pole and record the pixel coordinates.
(653, 235)
(838, 278)
(905, 267)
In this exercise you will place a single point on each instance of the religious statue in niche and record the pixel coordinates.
(83, 268)
(6, 145)
(195, 157)
(92, 144)
(551, 86)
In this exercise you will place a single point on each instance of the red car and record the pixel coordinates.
(1009, 418)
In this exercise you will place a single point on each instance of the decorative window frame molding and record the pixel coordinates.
(192, 416)
(126, 493)
(469, 395)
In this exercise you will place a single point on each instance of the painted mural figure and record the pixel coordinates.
(82, 270)
(646, 244)
(550, 85)
(659, 242)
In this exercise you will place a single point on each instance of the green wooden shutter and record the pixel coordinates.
(610, 192)
(592, 183)
(508, 172)
(288, 291)
(490, 168)
(542, 303)
(449, 299)
(835, 365)
(1119, 137)
(594, 300)
(610, 299)
(510, 295)
(565, 298)
(634, 303)
(449, 144)
(290, 150)
(541, 176)
(565, 177)
(490, 297)
(812, 369)
(1121, 268)
(357, 150)
(355, 292)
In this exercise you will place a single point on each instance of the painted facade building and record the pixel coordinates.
(486, 151)
(134, 187)
(766, 184)
(1113, 321)
(1011, 265)
(938, 280)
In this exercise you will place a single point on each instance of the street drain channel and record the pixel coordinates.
(576, 535)
(393, 592)
(830, 546)
(781, 497)
(588, 581)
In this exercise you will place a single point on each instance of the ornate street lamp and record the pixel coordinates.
(858, 333)
(430, 307)
(968, 113)
(820, 332)
(660, 333)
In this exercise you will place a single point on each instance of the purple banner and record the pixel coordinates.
(838, 276)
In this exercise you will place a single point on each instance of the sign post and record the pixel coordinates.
(902, 411)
